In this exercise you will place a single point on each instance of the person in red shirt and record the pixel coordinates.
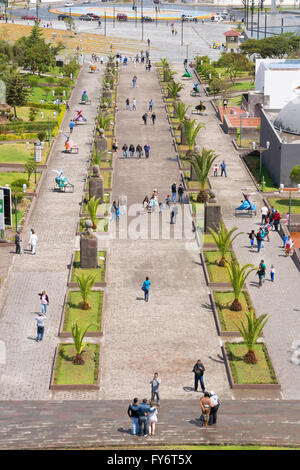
(276, 219)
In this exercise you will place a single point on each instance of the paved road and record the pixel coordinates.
(281, 299)
(79, 424)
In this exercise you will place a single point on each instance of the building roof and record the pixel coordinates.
(232, 33)
(288, 119)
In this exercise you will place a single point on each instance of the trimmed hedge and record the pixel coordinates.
(22, 127)
(45, 105)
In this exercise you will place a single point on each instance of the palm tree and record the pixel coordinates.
(164, 63)
(251, 333)
(201, 164)
(238, 275)
(78, 334)
(180, 110)
(98, 157)
(104, 121)
(85, 284)
(92, 207)
(168, 75)
(191, 132)
(174, 88)
(223, 240)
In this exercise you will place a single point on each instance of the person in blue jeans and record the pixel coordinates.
(144, 409)
(40, 321)
(223, 168)
(180, 193)
(133, 413)
(174, 191)
(146, 287)
(199, 371)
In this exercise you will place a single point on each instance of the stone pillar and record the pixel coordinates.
(107, 93)
(88, 248)
(212, 215)
(96, 185)
(101, 143)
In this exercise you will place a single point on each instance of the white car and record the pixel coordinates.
(69, 4)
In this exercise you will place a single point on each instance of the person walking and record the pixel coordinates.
(40, 321)
(205, 405)
(139, 150)
(252, 237)
(180, 191)
(174, 213)
(264, 213)
(147, 150)
(199, 370)
(173, 192)
(148, 42)
(261, 273)
(18, 242)
(150, 105)
(71, 126)
(144, 410)
(125, 148)
(133, 413)
(152, 419)
(131, 150)
(155, 383)
(134, 104)
(44, 301)
(127, 102)
(146, 288)
(215, 404)
(223, 168)
(34, 240)
(113, 210)
(276, 219)
(153, 117)
(168, 201)
(134, 79)
(259, 239)
(289, 246)
(144, 117)
(272, 273)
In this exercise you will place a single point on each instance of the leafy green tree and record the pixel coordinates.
(30, 166)
(17, 91)
(85, 284)
(238, 275)
(191, 133)
(78, 335)
(70, 23)
(174, 88)
(234, 63)
(92, 209)
(223, 239)
(202, 163)
(180, 110)
(251, 332)
(295, 174)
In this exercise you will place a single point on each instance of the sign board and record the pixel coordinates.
(6, 205)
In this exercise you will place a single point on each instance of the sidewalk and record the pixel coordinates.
(26, 374)
(281, 299)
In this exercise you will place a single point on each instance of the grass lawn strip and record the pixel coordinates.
(100, 272)
(66, 373)
(74, 312)
(282, 205)
(216, 273)
(18, 153)
(226, 316)
(10, 176)
(252, 162)
(260, 373)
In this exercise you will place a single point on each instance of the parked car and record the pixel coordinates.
(189, 18)
(63, 17)
(85, 18)
(147, 19)
(29, 17)
(94, 17)
(122, 17)
(68, 4)
(156, 1)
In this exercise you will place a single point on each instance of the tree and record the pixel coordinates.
(280, 46)
(92, 209)
(174, 88)
(202, 163)
(78, 334)
(223, 240)
(238, 275)
(85, 284)
(180, 111)
(295, 174)
(98, 156)
(234, 63)
(251, 333)
(191, 132)
(70, 23)
(104, 121)
(168, 75)
(17, 91)
(30, 166)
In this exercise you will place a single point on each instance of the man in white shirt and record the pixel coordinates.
(33, 241)
(215, 403)
(264, 212)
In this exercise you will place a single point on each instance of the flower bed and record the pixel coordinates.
(73, 313)
(68, 376)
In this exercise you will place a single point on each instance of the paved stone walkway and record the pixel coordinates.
(79, 424)
(26, 374)
(175, 328)
(281, 299)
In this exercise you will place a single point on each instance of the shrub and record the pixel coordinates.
(18, 183)
(32, 114)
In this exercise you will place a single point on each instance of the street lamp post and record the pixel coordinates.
(142, 18)
(104, 22)
(261, 149)
(114, 16)
(252, 10)
(156, 16)
(182, 31)
(258, 23)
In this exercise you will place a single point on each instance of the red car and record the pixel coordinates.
(93, 16)
(29, 17)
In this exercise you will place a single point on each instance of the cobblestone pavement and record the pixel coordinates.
(26, 374)
(281, 299)
(175, 328)
(78, 424)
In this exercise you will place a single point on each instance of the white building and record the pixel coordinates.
(278, 80)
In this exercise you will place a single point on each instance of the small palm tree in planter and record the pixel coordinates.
(85, 284)
(238, 275)
(98, 157)
(78, 334)
(201, 164)
(174, 89)
(180, 110)
(223, 239)
(191, 132)
(104, 121)
(251, 333)
(92, 207)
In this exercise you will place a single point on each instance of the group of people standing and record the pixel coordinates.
(32, 242)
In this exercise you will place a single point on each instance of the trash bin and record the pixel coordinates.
(37, 153)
